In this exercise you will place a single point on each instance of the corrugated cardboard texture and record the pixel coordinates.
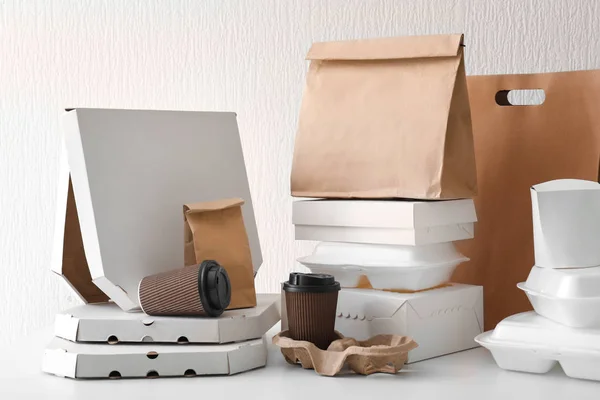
(311, 317)
(172, 293)
(75, 267)
(385, 118)
(517, 147)
(215, 231)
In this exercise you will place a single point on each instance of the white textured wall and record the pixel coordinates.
(245, 56)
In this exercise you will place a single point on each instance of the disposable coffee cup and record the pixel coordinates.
(198, 290)
(311, 302)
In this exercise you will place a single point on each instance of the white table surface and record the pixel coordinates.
(466, 375)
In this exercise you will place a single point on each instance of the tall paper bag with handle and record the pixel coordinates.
(517, 147)
(385, 118)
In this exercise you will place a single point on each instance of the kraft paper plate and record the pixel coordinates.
(381, 353)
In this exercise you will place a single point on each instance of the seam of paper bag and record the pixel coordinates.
(459, 57)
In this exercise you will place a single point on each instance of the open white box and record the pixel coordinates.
(442, 321)
(402, 222)
(566, 223)
(79, 360)
(106, 322)
(132, 171)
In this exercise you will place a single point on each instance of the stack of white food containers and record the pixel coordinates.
(119, 219)
(563, 287)
(405, 250)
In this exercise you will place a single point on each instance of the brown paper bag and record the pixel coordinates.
(517, 147)
(215, 230)
(385, 118)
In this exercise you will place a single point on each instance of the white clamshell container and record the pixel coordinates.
(387, 266)
(528, 342)
(567, 296)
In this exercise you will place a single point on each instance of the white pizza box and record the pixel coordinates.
(566, 223)
(132, 171)
(402, 222)
(107, 323)
(442, 321)
(84, 360)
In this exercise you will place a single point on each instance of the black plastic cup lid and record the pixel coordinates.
(214, 287)
(311, 283)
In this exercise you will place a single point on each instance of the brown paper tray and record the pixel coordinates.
(381, 353)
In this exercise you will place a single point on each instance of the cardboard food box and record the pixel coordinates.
(441, 321)
(401, 222)
(566, 223)
(79, 360)
(108, 323)
(385, 118)
(132, 171)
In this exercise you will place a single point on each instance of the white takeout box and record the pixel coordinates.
(566, 223)
(401, 267)
(528, 342)
(568, 296)
(108, 323)
(132, 171)
(441, 321)
(84, 360)
(405, 222)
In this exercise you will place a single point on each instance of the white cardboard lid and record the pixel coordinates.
(132, 172)
(529, 328)
(566, 223)
(107, 322)
(565, 282)
(79, 360)
(397, 213)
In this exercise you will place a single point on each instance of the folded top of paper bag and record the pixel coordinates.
(385, 118)
(566, 223)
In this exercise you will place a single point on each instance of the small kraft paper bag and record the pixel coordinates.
(516, 147)
(385, 118)
(215, 230)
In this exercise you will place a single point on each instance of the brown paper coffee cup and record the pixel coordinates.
(311, 302)
(202, 289)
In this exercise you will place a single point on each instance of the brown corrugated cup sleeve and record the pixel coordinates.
(311, 302)
(197, 290)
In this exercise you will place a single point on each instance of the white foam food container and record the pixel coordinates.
(398, 267)
(83, 360)
(132, 171)
(528, 342)
(567, 296)
(442, 321)
(401, 222)
(566, 223)
(107, 323)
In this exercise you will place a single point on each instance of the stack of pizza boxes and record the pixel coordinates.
(124, 180)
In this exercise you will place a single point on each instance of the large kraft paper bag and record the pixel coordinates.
(215, 230)
(517, 147)
(385, 118)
